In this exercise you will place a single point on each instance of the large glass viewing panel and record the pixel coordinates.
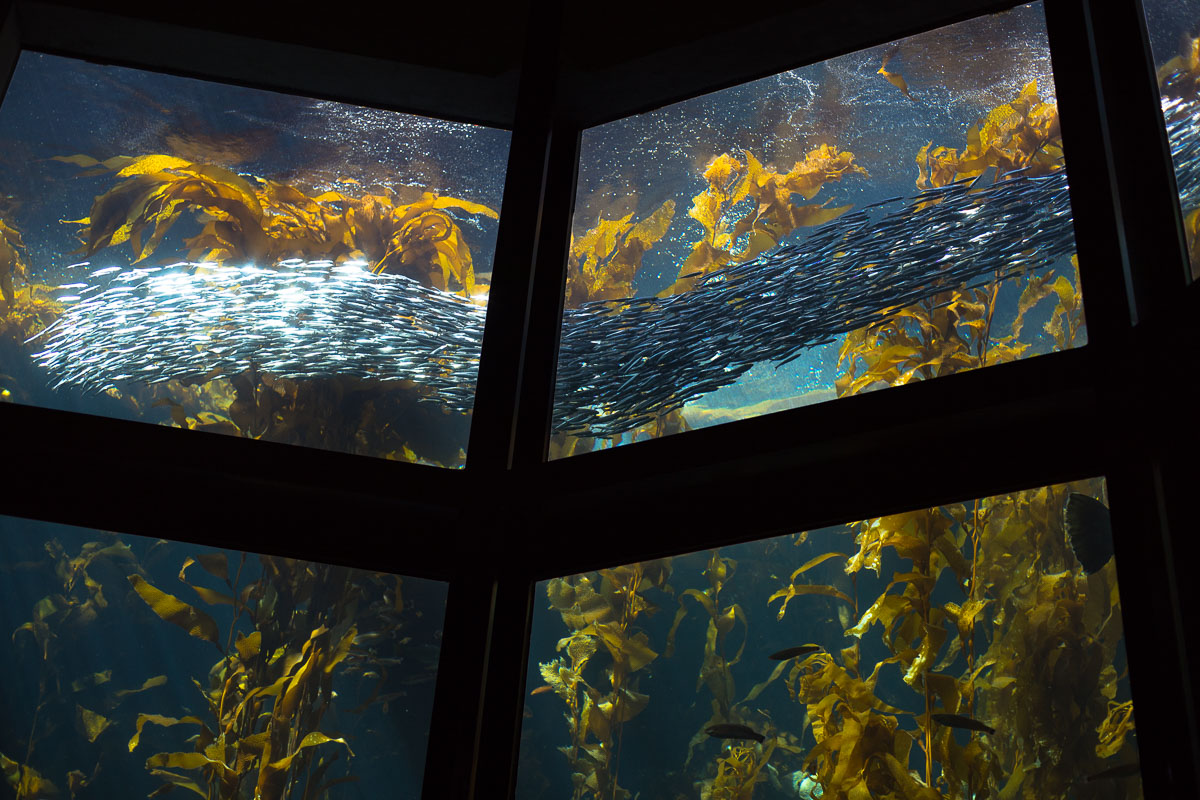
(243, 262)
(968, 651)
(135, 666)
(1174, 30)
(890, 215)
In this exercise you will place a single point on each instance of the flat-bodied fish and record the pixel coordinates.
(731, 730)
(793, 652)
(960, 721)
(1089, 530)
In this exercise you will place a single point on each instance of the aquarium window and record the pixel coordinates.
(134, 665)
(1174, 30)
(975, 648)
(887, 216)
(238, 261)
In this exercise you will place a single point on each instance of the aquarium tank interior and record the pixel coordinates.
(657, 402)
(1175, 44)
(970, 650)
(251, 263)
(891, 215)
(136, 666)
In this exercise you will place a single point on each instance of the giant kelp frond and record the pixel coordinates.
(266, 699)
(737, 773)
(605, 260)
(246, 218)
(604, 618)
(12, 260)
(1020, 134)
(772, 213)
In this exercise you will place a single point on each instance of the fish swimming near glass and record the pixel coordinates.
(794, 652)
(732, 730)
(960, 721)
(1088, 526)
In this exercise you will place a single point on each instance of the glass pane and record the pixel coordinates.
(243, 262)
(972, 650)
(1174, 28)
(887, 216)
(132, 664)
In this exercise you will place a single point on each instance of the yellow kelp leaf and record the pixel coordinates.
(211, 596)
(757, 689)
(89, 723)
(215, 564)
(187, 761)
(77, 781)
(884, 611)
(87, 682)
(909, 787)
(248, 646)
(1114, 728)
(808, 216)
(342, 649)
(821, 559)
(794, 590)
(311, 740)
(173, 780)
(150, 164)
(174, 610)
(653, 227)
(634, 650)
(108, 165)
(149, 683)
(631, 704)
(465, 205)
(27, 781)
(157, 719)
(1066, 293)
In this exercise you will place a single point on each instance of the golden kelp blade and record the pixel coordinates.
(89, 723)
(177, 612)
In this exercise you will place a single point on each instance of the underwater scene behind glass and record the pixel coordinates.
(891, 215)
(243, 262)
(1174, 30)
(973, 650)
(134, 667)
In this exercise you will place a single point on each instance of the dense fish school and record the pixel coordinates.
(621, 362)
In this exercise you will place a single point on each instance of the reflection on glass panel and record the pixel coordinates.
(243, 262)
(133, 666)
(972, 650)
(1174, 30)
(890, 215)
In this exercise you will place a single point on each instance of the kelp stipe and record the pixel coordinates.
(595, 718)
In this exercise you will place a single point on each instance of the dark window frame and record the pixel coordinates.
(510, 518)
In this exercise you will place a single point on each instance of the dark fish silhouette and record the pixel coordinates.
(1089, 530)
(793, 652)
(1119, 771)
(959, 721)
(730, 730)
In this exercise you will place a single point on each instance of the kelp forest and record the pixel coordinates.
(138, 667)
(968, 651)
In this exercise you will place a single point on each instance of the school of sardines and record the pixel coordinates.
(621, 363)
(1183, 132)
(302, 320)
